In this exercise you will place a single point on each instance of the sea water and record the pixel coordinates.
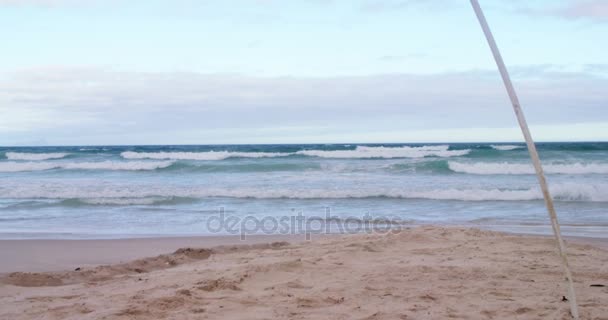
(136, 191)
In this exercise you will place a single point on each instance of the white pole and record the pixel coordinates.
(533, 154)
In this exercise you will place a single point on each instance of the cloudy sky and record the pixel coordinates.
(83, 72)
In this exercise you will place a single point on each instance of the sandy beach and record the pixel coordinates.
(61, 255)
(420, 273)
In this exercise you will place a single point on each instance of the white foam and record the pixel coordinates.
(505, 147)
(485, 168)
(25, 166)
(11, 166)
(109, 193)
(210, 155)
(363, 152)
(34, 156)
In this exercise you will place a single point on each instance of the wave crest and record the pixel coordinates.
(209, 155)
(113, 194)
(360, 152)
(363, 152)
(35, 156)
(487, 168)
(504, 147)
(102, 165)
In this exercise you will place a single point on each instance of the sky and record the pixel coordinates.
(92, 72)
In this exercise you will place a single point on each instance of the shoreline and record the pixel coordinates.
(51, 255)
(40, 255)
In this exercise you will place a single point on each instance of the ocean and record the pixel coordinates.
(140, 191)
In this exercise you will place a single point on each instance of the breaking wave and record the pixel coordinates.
(102, 165)
(484, 168)
(209, 155)
(362, 152)
(151, 194)
(505, 147)
(34, 156)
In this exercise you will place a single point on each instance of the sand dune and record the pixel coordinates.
(420, 273)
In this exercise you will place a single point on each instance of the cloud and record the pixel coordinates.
(596, 68)
(109, 106)
(383, 5)
(594, 9)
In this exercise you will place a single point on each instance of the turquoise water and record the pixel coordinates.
(131, 191)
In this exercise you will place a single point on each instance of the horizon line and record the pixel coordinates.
(307, 143)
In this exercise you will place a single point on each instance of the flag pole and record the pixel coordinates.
(533, 154)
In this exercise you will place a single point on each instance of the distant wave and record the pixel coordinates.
(123, 194)
(209, 155)
(521, 168)
(102, 165)
(505, 147)
(34, 156)
(362, 152)
(243, 167)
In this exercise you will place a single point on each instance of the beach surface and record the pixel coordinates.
(420, 273)
(60, 255)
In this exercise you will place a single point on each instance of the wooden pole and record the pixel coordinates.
(533, 154)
